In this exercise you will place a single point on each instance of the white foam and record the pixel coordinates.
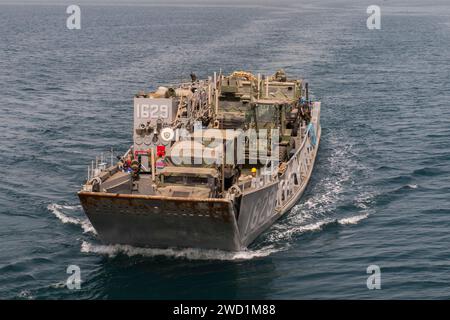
(313, 213)
(59, 285)
(78, 207)
(56, 209)
(353, 220)
(287, 233)
(296, 230)
(412, 186)
(25, 294)
(88, 227)
(189, 253)
(318, 210)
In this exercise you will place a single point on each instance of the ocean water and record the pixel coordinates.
(379, 194)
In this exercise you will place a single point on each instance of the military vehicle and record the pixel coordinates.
(213, 164)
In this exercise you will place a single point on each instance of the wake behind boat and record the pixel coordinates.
(213, 164)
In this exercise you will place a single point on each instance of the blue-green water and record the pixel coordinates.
(380, 189)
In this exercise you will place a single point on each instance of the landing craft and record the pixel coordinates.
(214, 163)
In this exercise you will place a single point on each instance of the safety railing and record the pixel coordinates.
(100, 165)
